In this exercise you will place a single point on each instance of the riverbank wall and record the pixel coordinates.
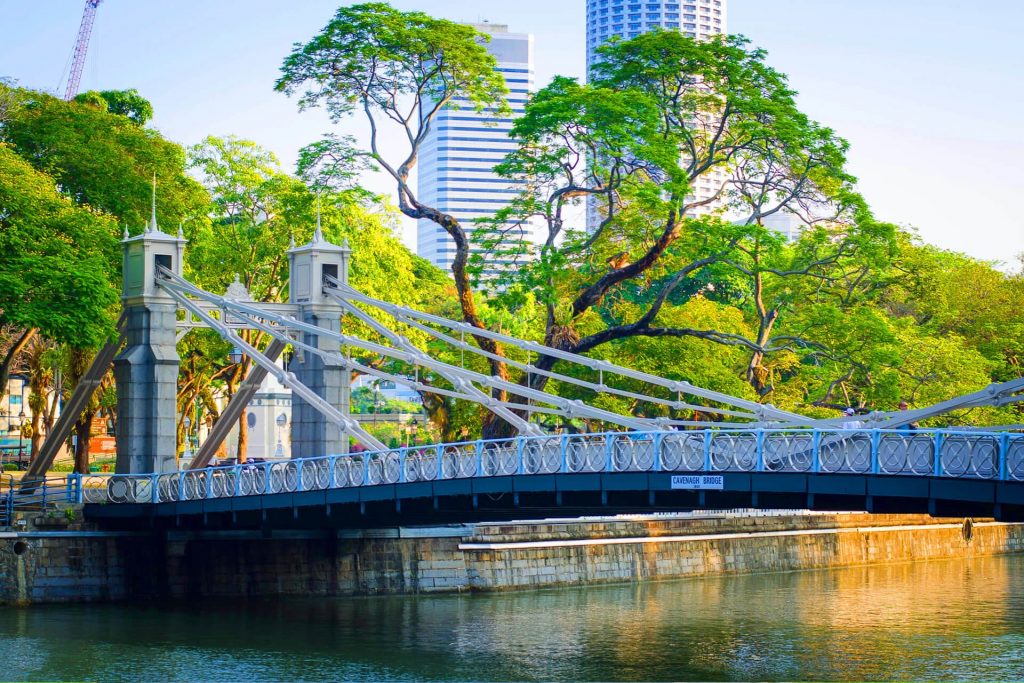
(40, 566)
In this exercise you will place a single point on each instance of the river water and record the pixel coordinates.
(952, 620)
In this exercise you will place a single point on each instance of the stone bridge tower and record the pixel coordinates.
(313, 434)
(146, 370)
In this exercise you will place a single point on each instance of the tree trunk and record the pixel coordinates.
(755, 374)
(12, 353)
(83, 430)
(37, 434)
(243, 438)
(438, 412)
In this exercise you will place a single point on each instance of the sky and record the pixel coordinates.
(930, 93)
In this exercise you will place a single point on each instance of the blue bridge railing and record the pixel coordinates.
(924, 453)
(35, 496)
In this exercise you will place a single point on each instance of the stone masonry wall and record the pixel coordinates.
(52, 568)
(55, 568)
(763, 545)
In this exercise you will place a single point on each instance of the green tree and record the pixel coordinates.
(663, 114)
(399, 69)
(59, 270)
(104, 161)
(74, 174)
(128, 103)
(257, 210)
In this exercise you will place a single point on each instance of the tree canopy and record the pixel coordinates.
(400, 70)
(127, 103)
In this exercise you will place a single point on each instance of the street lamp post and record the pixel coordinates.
(236, 357)
(21, 418)
(281, 421)
(187, 422)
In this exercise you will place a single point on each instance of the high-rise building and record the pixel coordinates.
(627, 19)
(456, 170)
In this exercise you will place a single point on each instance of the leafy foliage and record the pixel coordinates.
(128, 103)
(104, 161)
(57, 273)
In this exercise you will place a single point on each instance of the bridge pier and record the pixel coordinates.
(312, 434)
(146, 371)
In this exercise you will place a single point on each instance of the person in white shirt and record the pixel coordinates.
(850, 422)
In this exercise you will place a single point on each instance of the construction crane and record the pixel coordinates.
(81, 47)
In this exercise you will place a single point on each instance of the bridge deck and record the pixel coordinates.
(920, 471)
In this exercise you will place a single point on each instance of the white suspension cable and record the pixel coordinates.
(597, 387)
(463, 377)
(288, 379)
(764, 412)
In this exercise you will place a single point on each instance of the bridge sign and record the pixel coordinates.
(698, 482)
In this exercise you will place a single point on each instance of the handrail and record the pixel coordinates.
(945, 453)
(37, 495)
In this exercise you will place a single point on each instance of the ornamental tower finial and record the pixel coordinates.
(318, 235)
(152, 227)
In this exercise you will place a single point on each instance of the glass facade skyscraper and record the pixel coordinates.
(456, 170)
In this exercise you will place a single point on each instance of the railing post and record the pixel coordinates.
(209, 484)
(563, 445)
(658, 438)
(298, 474)
(366, 467)
(760, 450)
(69, 488)
(237, 477)
(154, 495)
(938, 454)
(1004, 448)
(266, 476)
(816, 451)
(609, 445)
(876, 437)
(707, 450)
(403, 455)
(479, 456)
(44, 495)
(181, 484)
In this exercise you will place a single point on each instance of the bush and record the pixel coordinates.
(10, 467)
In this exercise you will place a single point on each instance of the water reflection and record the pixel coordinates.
(934, 620)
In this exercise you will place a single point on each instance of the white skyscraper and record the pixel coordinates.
(628, 19)
(458, 156)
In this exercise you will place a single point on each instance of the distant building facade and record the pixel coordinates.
(15, 412)
(627, 19)
(457, 159)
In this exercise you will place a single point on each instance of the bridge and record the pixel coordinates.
(751, 455)
(939, 472)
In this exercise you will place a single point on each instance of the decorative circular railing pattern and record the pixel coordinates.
(969, 455)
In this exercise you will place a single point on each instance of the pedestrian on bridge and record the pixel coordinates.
(851, 421)
(910, 426)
